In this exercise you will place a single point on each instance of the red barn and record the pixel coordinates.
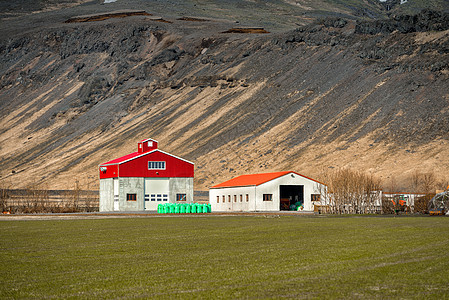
(143, 179)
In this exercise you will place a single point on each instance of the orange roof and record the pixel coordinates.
(254, 179)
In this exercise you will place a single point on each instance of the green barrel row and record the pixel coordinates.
(183, 208)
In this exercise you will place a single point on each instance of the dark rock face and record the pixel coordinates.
(167, 55)
(427, 20)
(333, 22)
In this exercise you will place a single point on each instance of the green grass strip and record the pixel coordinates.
(226, 257)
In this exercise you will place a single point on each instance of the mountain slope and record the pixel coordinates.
(325, 95)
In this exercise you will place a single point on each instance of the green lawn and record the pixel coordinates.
(226, 257)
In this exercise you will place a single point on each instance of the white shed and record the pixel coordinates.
(266, 192)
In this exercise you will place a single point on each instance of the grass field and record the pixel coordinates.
(226, 257)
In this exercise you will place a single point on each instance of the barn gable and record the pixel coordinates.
(154, 163)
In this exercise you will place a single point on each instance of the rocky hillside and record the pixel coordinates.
(338, 92)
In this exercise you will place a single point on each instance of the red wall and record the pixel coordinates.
(138, 167)
(111, 172)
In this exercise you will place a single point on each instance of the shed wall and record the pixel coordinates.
(229, 203)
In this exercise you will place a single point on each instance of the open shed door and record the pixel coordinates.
(290, 194)
(156, 192)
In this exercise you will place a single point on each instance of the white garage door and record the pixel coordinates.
(156, 192)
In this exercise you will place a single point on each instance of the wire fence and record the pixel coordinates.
(16, 201)
(48, 201)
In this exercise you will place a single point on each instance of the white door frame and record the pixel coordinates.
(116, 194)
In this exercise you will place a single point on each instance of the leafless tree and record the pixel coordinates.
(428, 182)
(415, 182)
(4, 197)
(351, 192)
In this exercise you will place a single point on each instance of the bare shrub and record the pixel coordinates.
(428, 182)
(90, 202)
(38, 199)
(425, 183)
(4, 197)
(34, 199)
(388, 207)
(421, 203)
(351, 192)
(415, 182)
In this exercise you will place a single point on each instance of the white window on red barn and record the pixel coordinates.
(156, 165)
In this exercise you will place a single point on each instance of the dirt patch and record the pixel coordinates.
(158, 19)
(246, 30)
(105, 16)
(192, 19)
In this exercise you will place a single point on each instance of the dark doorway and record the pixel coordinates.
(291, 196)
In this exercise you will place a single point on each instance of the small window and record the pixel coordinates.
(229, 198)
(235, 198)
(316, 197)
(267, 197)
(241, 198)
(247, 198)
(180, 197)
(224, 198)
(218, 199)
(156, 165)
(131, 197)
